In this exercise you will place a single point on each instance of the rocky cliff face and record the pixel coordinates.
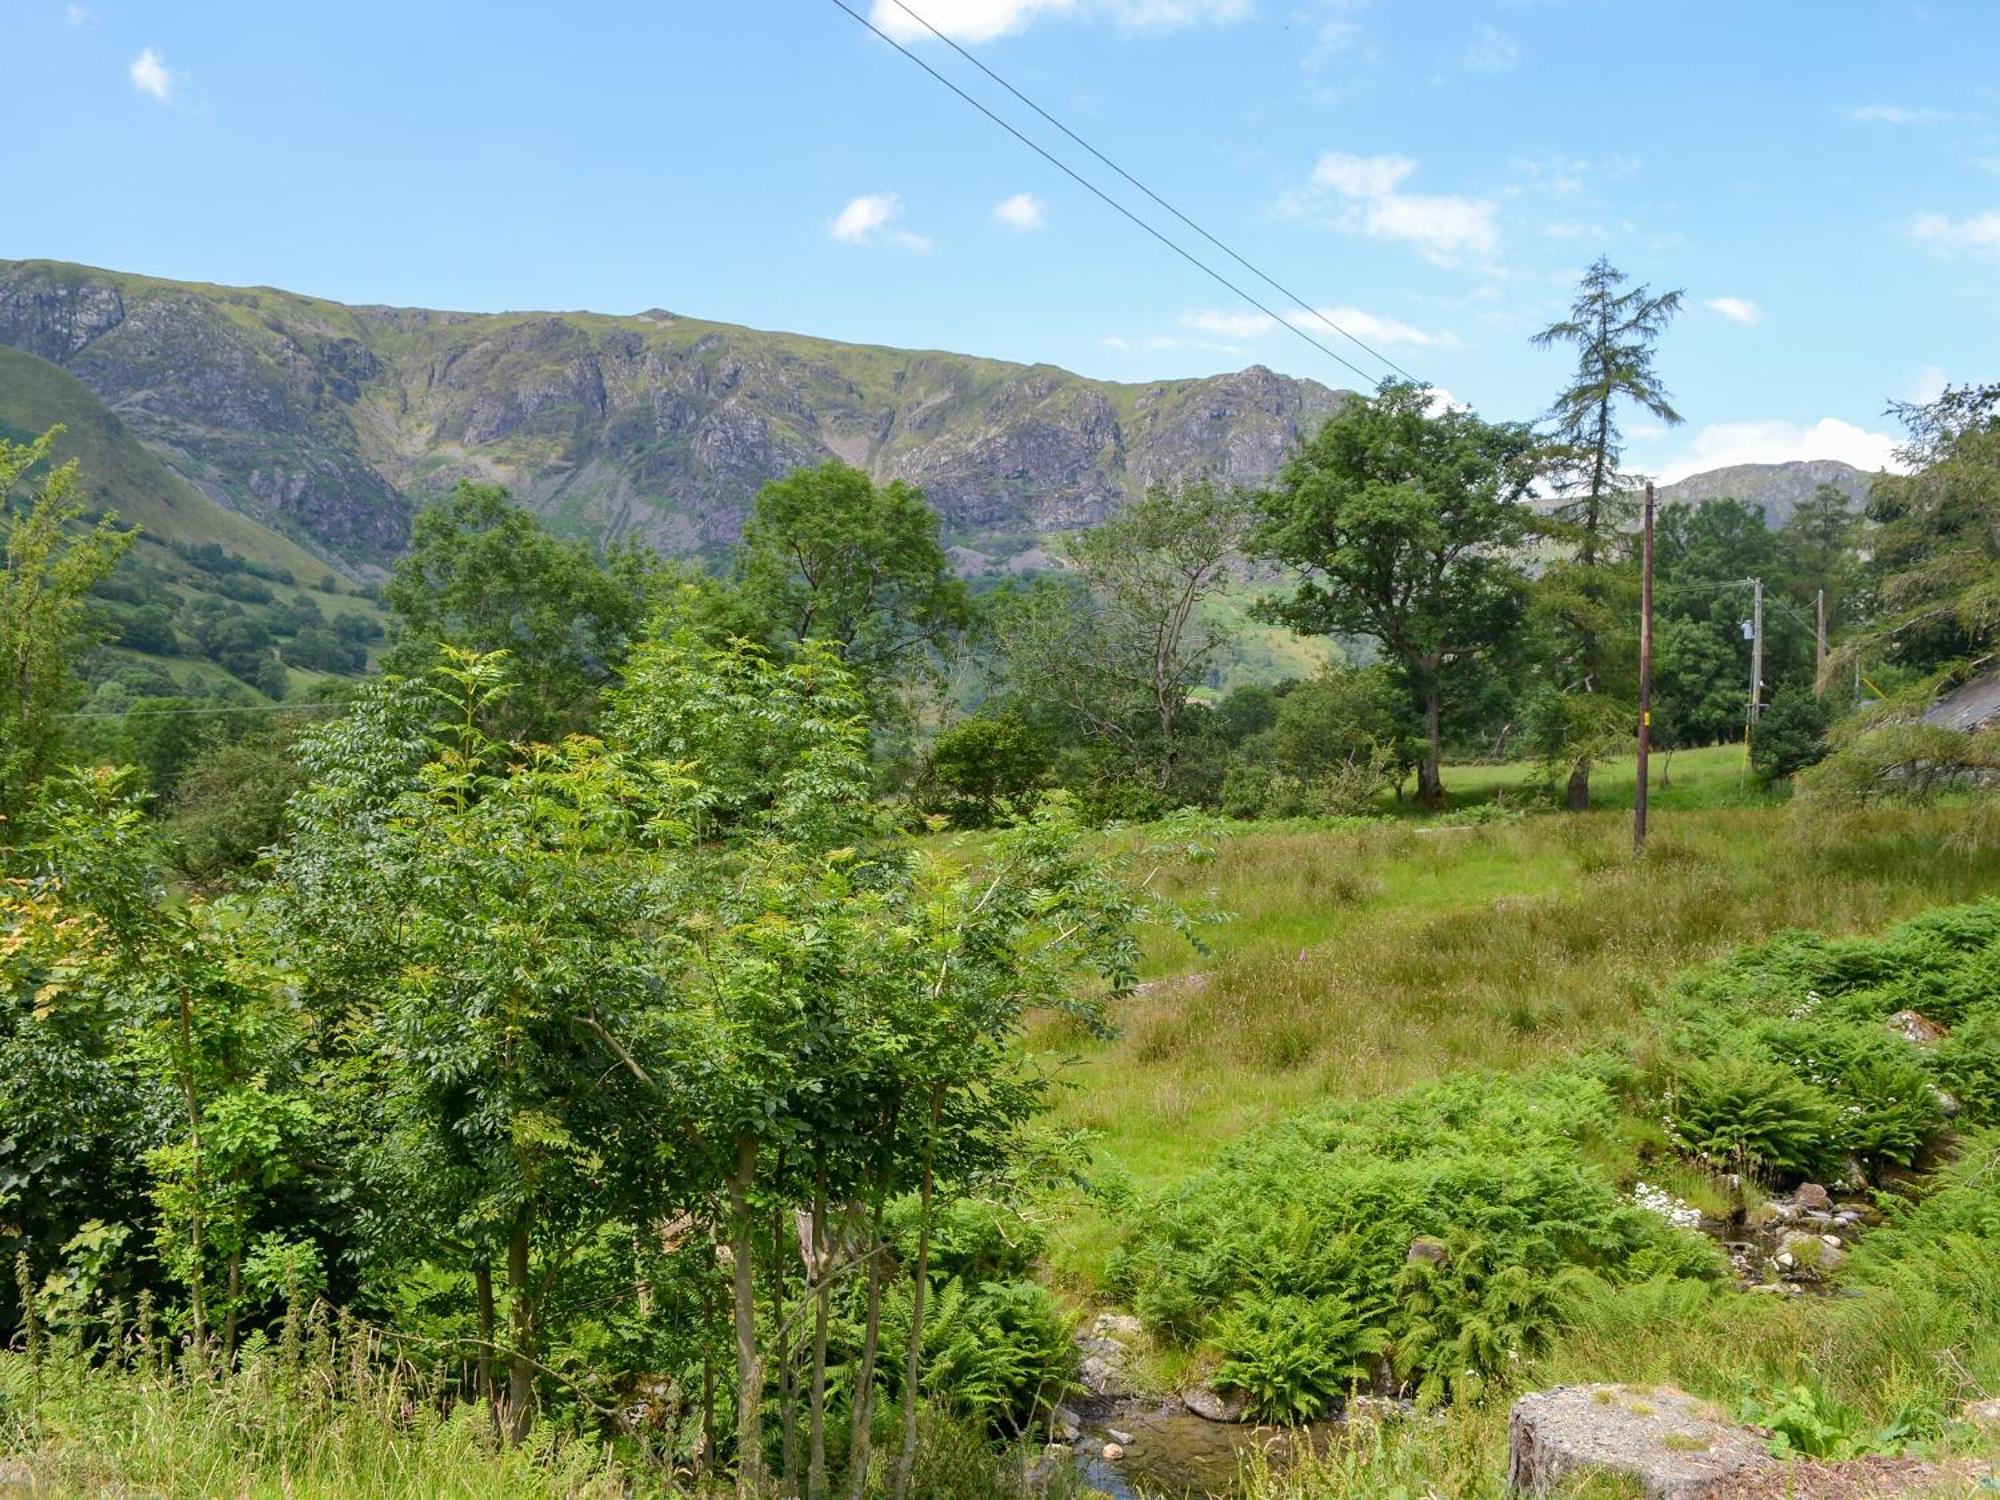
(333, 422)
(1776, 489)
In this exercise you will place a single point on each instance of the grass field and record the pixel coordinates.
(1359, 960)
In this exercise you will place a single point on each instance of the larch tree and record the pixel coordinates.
(1615, 330)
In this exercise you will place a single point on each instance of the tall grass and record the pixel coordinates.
(1359, 961)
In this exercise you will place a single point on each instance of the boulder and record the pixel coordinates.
(1113, 1452)
(1103, 1375)
(1917, 1030)
(1425, 1248)
(1212, 1405)
(1671, 1445)
(1120, 1327)
(1811, 1198)
(1809, 1255)
(1674, 1447)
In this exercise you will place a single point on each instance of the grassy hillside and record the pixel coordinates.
(194, 559)
(1360, 960)
(120, 474)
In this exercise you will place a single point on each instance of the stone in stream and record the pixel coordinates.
(1113, 1452)
(1811, 1198)
(1212, 1405)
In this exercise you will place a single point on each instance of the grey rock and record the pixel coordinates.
(1917, 1029)
(1812, 1198)
(336, 421)
(1208, 1403)
(1425, 1248)
(1116, 1436)
(1102, 1376)
(1673, 1446)
(1984, 1414)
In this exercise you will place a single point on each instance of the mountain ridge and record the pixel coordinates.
(333, 421)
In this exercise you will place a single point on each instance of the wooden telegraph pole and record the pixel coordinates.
(1756, 649)
(1645, 675)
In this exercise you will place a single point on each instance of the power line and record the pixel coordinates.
(1084, 182)
(1257, 271)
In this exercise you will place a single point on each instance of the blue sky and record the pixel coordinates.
(1822, 178)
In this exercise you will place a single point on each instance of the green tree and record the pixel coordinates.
(990, 760)
(484, 575)
(1698, 695)
(1818, 543)
(1118, 647)
(829, 555)
(1584, 600)
(45, 623)
(1404, 522)
(1791, 735)
(1935, 568)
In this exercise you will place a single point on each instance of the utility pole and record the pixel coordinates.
(1645, 675)
(1819, 646)
(1756, 648)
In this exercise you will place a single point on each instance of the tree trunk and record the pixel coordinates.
(913, 1366)
(1579, 786)
(749, 1370)
(705, 1452)
(521, 1334)
(787, 1362)
(863, 1429)
(1430, 773)
(482, 1286)
(233, 1290)
(822, 1316)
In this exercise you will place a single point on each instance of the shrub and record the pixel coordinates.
(1790, 735)
(1292, 1357)
(1746, 1114)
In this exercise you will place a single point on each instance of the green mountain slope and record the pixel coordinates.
(205, 596)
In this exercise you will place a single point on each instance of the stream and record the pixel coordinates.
(1172, 1454)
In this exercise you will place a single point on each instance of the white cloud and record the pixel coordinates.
(1927, 385)
(983, 20)
(1990, 163)
(1772, 442)
(1893, 114)
(870, 220)
(1022, 211)
(1231, 325)
(1362, 194)
(79, 16)
(1369, 327)
(1491, 50)
(1979, 234)
(151, 76)
(1736, 309)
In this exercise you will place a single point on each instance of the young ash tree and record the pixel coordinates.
(1404, 522)
(48, 571)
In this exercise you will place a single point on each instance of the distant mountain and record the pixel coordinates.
(331, 423)
(195, 560)
(1776, 488)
